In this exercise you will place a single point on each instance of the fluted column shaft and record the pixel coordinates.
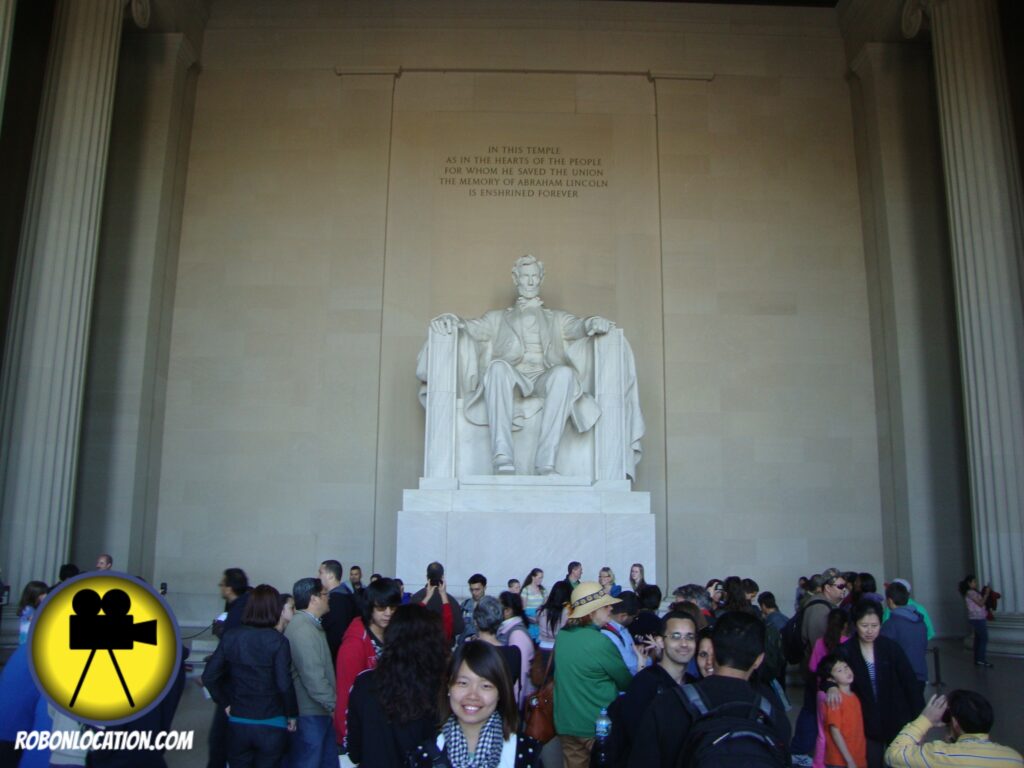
(6, 32)
(983, 190)
(44, 357)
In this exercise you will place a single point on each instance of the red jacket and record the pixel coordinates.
(356, 654)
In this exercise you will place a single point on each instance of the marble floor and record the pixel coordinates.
(1001, 685)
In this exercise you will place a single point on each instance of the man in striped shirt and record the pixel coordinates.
(968, 718)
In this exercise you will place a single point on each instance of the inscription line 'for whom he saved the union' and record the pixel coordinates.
(512, 170)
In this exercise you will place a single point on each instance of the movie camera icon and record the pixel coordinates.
(116, 630)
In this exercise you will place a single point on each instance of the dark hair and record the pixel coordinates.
(628, 604)
(411, 669)
(867, 583)
(836, 622)
(649, 597)
(373, 576)
(303, 590)
(513, 602)
(282, 601)
(510, 582)
(530, 576)
(767, 600)
(738, 639)
(735, 595)
(478, 578)
(30, 595)
(964, 586)
(486, 661)
(262, 608)
(750, 586)
(67, 571)
(435, 571)
(573, 564)
(559, 595)
(679, 615)
(355, 568)
(898, 593)
(712, 582)
(692, 610)
(379, 594)
(333, 567)
(971, 710)
(863, 607)
(827, 664)
(488, 615)
(236, 580)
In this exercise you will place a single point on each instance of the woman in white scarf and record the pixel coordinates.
(480, 717)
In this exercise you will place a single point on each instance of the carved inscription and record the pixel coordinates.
(524, 170)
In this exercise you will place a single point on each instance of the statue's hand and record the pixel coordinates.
(597, 325)
(445, 324)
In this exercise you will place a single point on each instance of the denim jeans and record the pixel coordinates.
(980, 639)
(314, 744)
(256, 746)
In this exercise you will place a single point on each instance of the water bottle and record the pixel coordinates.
(602, 734)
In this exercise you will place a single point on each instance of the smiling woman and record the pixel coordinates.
(480, 716)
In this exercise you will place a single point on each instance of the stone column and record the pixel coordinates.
(44, 356)
(6, 32)
(983, 193)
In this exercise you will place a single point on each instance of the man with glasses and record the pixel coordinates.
(313, 744)
(824, 593)
(677, 643)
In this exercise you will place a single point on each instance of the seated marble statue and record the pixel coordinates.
(543, 354)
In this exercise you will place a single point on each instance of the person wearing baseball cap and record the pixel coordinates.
(589, 671)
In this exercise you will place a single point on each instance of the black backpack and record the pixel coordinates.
(793, 632)
(737, 734)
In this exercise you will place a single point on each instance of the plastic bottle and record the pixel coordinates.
(602, 735)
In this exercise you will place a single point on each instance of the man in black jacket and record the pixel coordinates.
(341, 604)
(738, 640)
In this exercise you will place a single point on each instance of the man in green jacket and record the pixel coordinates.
(589, 672)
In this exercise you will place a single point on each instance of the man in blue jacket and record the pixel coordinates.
(906, 626)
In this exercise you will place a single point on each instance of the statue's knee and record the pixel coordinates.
(498, 372)
(561, 375)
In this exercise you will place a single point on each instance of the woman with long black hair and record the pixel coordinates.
(393, 707)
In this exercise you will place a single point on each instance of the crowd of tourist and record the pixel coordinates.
(338, 671)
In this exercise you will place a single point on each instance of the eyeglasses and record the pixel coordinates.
(677, 636)
(385, 608)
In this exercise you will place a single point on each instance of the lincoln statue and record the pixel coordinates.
(534, 350)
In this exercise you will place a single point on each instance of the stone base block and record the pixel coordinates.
(505, 532)
(1006, 634)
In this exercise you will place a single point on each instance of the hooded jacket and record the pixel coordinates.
(906, 626)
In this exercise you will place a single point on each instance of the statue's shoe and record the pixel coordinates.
(546, 471)
(503, 465)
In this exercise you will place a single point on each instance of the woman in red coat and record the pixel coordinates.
(362, 643)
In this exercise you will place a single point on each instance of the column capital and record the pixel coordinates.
(915, 17)
(140, 13)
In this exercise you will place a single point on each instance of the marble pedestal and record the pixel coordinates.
(503, 526)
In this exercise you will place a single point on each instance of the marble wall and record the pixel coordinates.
(318, 238)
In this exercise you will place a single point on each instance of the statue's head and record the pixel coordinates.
(528, 274)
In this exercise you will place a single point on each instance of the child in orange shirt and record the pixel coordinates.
(845, 745)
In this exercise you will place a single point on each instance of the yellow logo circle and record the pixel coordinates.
(104, 649)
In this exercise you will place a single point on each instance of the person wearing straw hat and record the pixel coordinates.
(589, 671)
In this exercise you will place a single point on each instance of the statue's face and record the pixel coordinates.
(528, 281)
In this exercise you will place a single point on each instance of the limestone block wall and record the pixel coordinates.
(318, 239)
